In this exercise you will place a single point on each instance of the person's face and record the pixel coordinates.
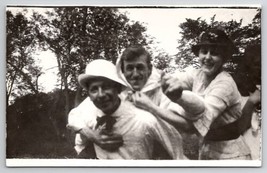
(211, 60)
(104, 94)
(137, 72)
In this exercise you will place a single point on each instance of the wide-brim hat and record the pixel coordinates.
(214, 37)
(99, 68)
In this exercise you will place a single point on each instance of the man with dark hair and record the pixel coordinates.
(109, 115)
(135, 68)
(144, 90)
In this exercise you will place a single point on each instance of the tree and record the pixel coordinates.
(22, 72)
(78, 35)
(191, 29)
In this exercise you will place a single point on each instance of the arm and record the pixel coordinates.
(191, 102)
(106, 141)
(244, 122)
(142, 101)
(78, 122)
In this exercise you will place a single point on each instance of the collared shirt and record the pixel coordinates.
(138, 128)
(222, 106)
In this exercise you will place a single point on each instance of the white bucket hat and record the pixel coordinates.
(99, 68)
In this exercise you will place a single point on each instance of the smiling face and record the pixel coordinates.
(211, 60)
(104, 94)
(136, 72)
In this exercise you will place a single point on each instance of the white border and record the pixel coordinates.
(128, 163)
(216, 169)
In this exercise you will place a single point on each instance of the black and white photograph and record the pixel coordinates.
(133, 86)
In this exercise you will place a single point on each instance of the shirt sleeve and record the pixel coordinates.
(82, 115)
(168, 137)
(186, 77)
(217, 99)
(79, 144)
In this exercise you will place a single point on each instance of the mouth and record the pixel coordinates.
(103, 103)
(208, 64)
(135, 81)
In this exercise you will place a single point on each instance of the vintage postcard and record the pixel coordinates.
(133, 86)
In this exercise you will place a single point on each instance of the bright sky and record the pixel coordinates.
(161, 23)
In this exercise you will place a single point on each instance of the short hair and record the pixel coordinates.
(134, 52)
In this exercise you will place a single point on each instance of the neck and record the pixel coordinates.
(209, 78)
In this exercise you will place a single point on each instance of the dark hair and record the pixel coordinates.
(218, 38)
(134, 52)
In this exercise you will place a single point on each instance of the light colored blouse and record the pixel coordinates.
(222, 106)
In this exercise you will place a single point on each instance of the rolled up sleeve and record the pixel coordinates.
(216, 101)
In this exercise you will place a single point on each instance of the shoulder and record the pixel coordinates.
(224, 81)
(82, 114)
(141, 116)
(224, 87)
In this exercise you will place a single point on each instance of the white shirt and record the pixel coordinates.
(138, 128)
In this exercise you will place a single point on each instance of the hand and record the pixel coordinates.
(108, 141)
(73, 128)
(255, 97)
(142, 101)
(171, 87)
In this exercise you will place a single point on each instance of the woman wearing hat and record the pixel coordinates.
(220, 96)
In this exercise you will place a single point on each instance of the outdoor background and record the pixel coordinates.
(47, 48)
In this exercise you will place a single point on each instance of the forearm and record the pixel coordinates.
(244, 121)
(191, 103)
(171, 117)
(88, 133)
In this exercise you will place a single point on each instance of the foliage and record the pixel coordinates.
(36, 127)
(78, 35)
(163, 62)
(82, 34)
(241, 35)
(22, 72)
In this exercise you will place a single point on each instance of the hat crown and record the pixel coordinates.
(99, 68)
(215, 36)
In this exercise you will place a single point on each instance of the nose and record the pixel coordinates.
(135, 73)
(208, 55)
(100, 93)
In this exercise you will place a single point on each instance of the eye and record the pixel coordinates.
(214, 52)
(107, 86)
(140, 67)
(93, 89)
(129, 68)
(203, 51)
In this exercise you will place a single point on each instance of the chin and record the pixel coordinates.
(136, 87)
(208, 72)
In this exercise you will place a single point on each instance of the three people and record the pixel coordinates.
(203, 100)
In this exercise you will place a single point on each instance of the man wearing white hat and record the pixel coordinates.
(109, 115)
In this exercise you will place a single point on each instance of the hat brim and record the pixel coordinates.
(195, 48)
(84, 80)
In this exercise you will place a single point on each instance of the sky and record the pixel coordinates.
(162, 24)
